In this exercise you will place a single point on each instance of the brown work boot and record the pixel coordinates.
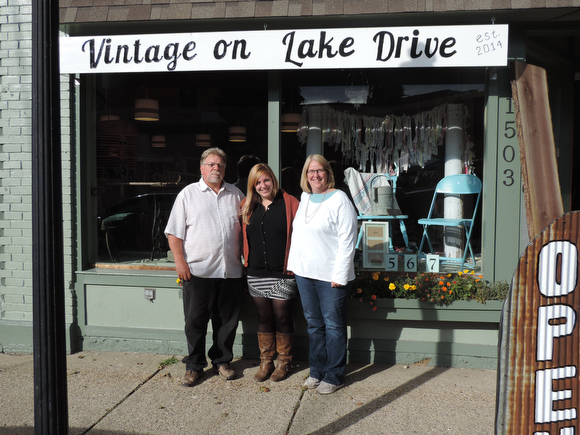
(225, 371)
(267, 345)
(191, 377)
(284, 344)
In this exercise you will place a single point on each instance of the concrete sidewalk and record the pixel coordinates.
(128, 393)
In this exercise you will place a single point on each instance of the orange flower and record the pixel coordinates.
(386, 278)
(374, 308)
(441, 283)
(444, 289)
(359, 290)
(450, 291)
(442, 297)
(374, 297)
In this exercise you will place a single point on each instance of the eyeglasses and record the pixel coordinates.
(316, 171)
(215, 165)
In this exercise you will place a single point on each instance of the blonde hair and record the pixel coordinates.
(325, 165)
(253, 198)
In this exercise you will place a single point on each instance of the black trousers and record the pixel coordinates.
(218, 300)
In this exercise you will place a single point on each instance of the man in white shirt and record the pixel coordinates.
(204, 234)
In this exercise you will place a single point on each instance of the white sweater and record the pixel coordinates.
(324, 247)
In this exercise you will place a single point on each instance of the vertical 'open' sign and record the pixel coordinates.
(539, 358)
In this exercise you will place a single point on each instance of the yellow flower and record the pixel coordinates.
(392, 286)
(375, 276)
(459, 273)
(448, 275)
(406, 286)
(473, 272)
(414, 287)
(466, 271)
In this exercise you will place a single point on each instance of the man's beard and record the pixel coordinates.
(214, 177)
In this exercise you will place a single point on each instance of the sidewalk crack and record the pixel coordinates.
(296, 407)
(122, 401)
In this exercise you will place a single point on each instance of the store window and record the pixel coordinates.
(141, 164)
(391, 121)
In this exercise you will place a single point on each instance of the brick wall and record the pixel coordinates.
(16, 173)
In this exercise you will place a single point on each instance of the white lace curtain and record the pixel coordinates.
(384, 143)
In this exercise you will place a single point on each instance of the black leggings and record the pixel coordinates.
(274, 315)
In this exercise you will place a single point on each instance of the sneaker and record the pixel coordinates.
(225, 371)
(326, 388)
(191, 377)
(311, 382)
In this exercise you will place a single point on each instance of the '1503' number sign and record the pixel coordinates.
(538, 379)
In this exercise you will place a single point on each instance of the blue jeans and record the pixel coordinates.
(325, 313)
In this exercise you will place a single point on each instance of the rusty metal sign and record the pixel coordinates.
(538, 379)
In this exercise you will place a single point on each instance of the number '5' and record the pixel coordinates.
(509, 131)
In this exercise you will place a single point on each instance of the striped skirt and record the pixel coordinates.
(272, 288)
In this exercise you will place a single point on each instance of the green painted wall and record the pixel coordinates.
(118, 317)
(504, 231)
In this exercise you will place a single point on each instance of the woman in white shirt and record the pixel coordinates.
(321, 257)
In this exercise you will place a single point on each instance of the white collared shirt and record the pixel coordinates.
(209, 225)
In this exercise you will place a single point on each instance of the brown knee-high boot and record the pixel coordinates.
(284, 344)
(267, 345)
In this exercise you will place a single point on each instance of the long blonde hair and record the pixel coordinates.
(253, 198)
(325, 165)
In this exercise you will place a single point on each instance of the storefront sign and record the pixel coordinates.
(389, 47)
(538, 379)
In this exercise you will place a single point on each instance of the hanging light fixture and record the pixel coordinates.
(203, 140)
(237, 134)
(289, 122)
(158, 141)
(146, 109)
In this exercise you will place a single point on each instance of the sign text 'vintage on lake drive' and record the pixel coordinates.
(389, 47)
(538, 379)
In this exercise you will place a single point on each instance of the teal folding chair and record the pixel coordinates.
(461, 184)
